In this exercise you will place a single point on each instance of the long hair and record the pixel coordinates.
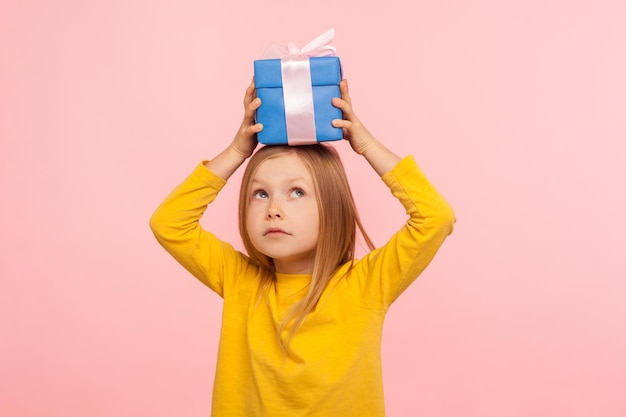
(338, 225)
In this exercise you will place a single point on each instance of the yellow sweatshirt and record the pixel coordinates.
(334, 363)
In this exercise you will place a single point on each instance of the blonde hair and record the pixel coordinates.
(338, 224)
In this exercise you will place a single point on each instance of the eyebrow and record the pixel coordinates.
(290, 179)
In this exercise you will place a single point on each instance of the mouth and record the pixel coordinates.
(275, 231)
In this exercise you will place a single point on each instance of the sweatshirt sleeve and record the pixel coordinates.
(383, 274)
(176, 226)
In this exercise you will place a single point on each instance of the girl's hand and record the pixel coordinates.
(245, 140)
(242, 147)
(361, 140)
(353, 130)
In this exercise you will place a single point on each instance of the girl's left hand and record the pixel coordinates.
(353, 130)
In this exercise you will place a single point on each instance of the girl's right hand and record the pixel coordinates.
(245, 140)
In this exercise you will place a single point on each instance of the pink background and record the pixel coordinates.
(515, 109)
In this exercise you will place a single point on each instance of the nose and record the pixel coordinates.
(273, 211)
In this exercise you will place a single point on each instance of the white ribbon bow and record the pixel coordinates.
(319, 46)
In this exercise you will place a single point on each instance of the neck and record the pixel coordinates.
(294, 267)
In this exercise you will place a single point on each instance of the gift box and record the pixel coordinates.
(296, 91)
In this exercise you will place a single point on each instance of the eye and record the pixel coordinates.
(260, 194)
(296, 193)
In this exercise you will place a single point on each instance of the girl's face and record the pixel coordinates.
(283, 218)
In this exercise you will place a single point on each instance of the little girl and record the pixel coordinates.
(302, 319)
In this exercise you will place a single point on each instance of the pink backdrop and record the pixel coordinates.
(515, 109)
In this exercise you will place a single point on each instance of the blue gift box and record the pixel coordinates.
(325, 79)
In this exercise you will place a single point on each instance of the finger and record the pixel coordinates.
(345, 96)
(345, 106)
(342, 104)
(343, 89)
(250, 94)
(252, 107)
(250, 131)
(256, 128)
(255, 104)
(342, 123)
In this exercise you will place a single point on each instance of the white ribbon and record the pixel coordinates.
(319, 46)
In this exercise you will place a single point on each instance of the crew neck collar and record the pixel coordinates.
(292, 283)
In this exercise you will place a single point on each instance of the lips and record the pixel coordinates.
(275, 231)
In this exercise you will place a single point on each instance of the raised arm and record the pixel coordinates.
(176, 222)
(387, 271)
(361, 140)
(244, 143)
